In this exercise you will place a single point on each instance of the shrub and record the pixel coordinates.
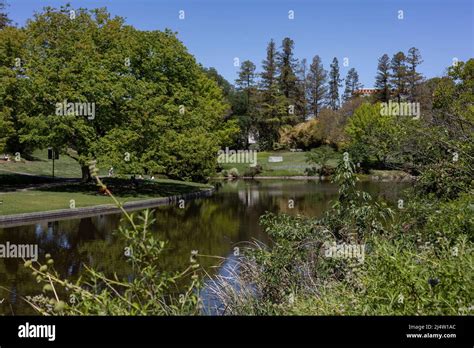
(233, 173)
(253, 171)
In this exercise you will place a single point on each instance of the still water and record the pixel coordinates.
(213, 226)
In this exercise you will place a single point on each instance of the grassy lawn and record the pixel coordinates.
(294, 164)
(58, 197)
(40, 165)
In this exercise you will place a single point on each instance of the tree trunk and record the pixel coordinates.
(86, 175)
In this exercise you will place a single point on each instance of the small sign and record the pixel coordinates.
(52, 153)
(274, 159)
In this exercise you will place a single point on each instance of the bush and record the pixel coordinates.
(233, 173)
(253, 171)
(319, 159)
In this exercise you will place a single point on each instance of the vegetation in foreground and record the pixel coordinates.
(418, 261)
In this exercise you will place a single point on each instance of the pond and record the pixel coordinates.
(214, 226)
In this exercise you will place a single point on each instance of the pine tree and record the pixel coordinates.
(269, 66)
(414, 78)
(382, 79)
(287, 66)
(246, 85)
(247, 75)
(399, 74)
(334, 84)
(316, 86)
(352, 84)
(301, 103)
(273, 104)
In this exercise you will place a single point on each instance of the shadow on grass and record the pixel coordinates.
(125, 187)
(12, 182)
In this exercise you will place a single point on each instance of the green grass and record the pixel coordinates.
(59, 197)
(40, 165)
(294, 164)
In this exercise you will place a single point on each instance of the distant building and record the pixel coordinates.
(366, 92)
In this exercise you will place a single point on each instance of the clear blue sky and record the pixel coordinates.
(216, 31)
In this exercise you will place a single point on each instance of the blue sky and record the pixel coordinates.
(217, 31)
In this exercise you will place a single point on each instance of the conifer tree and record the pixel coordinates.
(334, 84)
(316, 86)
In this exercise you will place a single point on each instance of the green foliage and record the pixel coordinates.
(372, 136)
(150, 95)
(253, 171)
(417, 262)
(319, 160)
(304, 135)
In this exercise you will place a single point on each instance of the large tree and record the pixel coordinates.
(382, 79)
(334, 85)
(301, 103)
(273, 104)
(316, 86)
(352, 84)
(414, 78)
(287, 65)
(15, 92)
(399, 74)
(155, 108)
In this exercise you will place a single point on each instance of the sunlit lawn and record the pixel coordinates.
(59, 197)
(293, 164)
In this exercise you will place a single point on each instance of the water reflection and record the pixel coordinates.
(213, 226)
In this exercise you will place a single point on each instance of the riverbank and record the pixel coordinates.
(63, 214)
(374, 175)
(71, 197)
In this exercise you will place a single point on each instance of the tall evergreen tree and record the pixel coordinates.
(246, 84)
(287, 66)
(269, 66)
(334, 84)
(382, 79)
(316, 86)
(352, 84)
(399, 74)
(301, 103)
(272, 112)
(414, 78)
(246, 79)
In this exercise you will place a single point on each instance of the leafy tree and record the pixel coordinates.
(334, 85)
(372, 136)
(382, 79)
(15, 91)
(317, 89)
(148, 91)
